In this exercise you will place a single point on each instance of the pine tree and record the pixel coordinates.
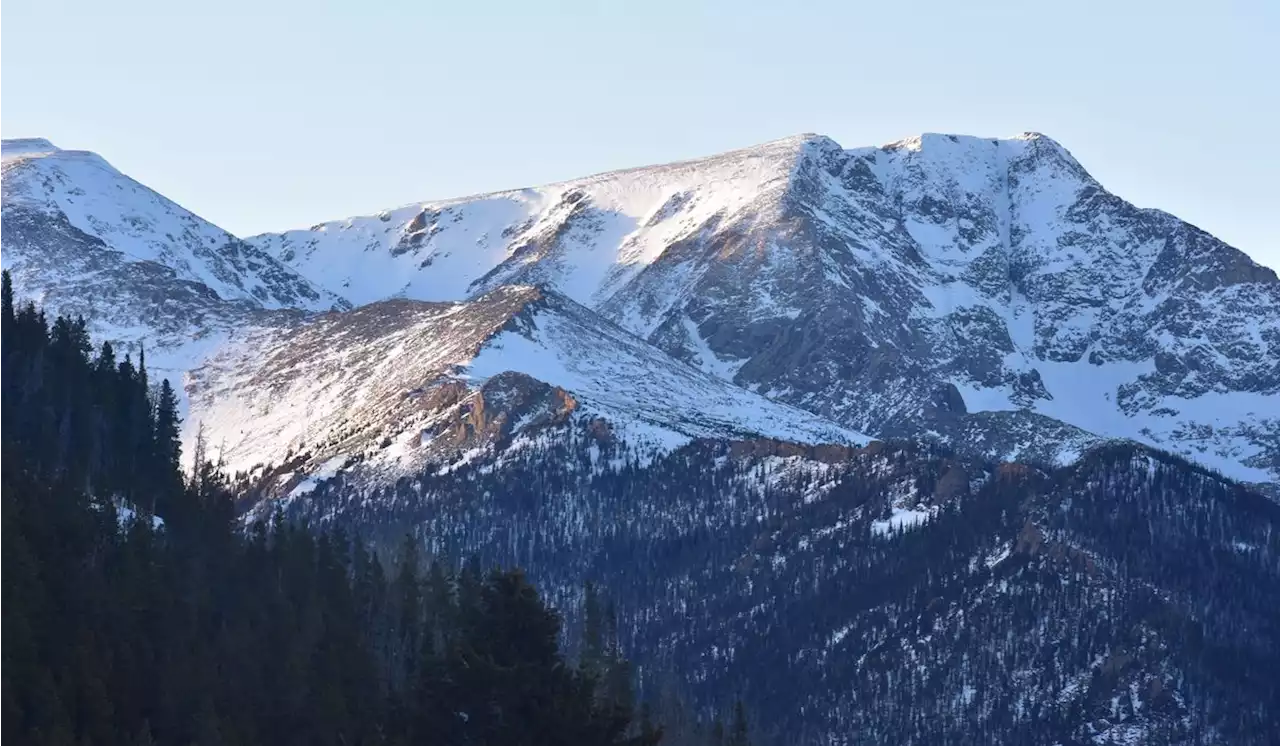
(650, 733)
(144, 737)
(6, 300)
(738, 728)
(618, 674)
(716, 737)
(208, 726)
(406, 590)
(592, 655)
(168, 436)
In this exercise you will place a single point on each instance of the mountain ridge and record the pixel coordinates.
(389, 384)
(1000, 260)
(983, 292)
(83, 239)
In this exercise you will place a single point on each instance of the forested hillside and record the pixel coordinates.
(136, 611)
(892, 594)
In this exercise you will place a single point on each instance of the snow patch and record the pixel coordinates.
(901, 518)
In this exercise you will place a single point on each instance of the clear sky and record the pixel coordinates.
(274, 114)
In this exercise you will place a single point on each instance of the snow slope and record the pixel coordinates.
(79, 192)
(386, 381)
(582, 238)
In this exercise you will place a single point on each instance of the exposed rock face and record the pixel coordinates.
(505, 404)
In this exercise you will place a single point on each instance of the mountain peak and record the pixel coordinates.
(960, 157)
(796, 267)
(26, 146)
(338, 384)
(782, 152)
(802, 139)
(32, 148)
(83, 236)
(931, 140)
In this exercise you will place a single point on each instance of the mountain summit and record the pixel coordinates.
(82, 237)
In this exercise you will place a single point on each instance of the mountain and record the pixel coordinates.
(82, 238)
(395, 386)
(886, 594)
(988, 293)
(238, 326)
(667, 379)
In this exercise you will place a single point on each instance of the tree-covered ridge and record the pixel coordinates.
(1128, 596)
(136, 611)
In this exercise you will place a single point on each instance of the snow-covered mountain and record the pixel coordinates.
(575, 379)
(990, 293)
(399, 385)
(81, 237)
(986, 293)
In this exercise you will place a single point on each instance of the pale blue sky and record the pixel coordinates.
(269, 115)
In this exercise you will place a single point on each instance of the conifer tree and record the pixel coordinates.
(167, 438)
(592, 654)
(738, 728)
(6, 300)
